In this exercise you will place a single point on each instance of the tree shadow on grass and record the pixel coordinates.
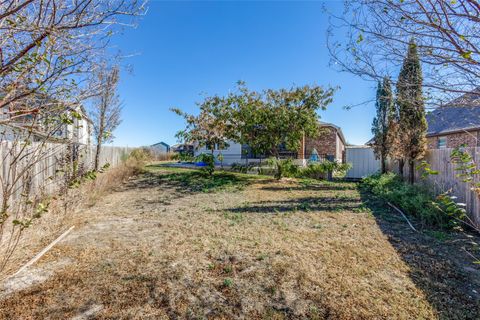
(304, 204)
(332, 186)
(182, 182)
(438, 263)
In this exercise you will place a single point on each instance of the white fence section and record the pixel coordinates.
(363, 162)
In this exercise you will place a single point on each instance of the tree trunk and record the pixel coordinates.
(97, 156)
(383, 166)
(401, 164)
(100, 135)
(278, 170)
(411, 177)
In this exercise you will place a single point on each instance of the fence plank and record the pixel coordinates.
(39, 164)
(447, 180)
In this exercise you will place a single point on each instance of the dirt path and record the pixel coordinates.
(170, 244)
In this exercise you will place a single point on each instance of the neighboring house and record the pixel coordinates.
(330, 144)
(455, 123)
(160, 147)
(185, 148)
(74, 127)
(232, 152)
(78, 132)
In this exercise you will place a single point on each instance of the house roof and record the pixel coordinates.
(339, 130)
(461, 114)
(162, 143)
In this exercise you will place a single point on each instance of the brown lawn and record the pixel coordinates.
(172, 244)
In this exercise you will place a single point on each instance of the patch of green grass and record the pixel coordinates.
(228, 283)
(262, 256)
(362, 209)
(196, 181)
(439, 235)
(227, 269)
(327, 185)
(234, 218)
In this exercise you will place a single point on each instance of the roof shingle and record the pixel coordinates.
(460, 114)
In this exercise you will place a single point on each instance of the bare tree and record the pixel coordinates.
(49, 52)
(106, 109)
(51, 47)
(377, 32)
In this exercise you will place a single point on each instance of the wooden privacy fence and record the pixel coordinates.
(447, 180)
(364, 164)
(43, 168)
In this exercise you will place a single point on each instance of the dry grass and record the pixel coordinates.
(162, 156)
(61, 213)
(172, 244)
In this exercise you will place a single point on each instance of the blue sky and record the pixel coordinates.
(186, 48)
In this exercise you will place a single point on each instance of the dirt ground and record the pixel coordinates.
(171, 244)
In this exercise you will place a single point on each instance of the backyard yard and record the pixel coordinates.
(171, 243)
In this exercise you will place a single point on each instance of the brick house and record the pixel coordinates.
(456, 123)
(330, 143)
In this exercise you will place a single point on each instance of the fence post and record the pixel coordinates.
(330, 173)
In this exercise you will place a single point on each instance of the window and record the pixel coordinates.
(209, 146)
(442, 142)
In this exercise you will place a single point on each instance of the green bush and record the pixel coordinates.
(314, 170)
(209, 161)
(284, 167)
(412, 199)
(183, 156)
(319, 170)
(242, 168)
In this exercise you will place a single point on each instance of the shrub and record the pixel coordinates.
(314, 170)
(220, 158)
(284, 167)
(209, 161)
(238, 167)
(412, 199)
(138, 158)
(319, 170)
(183, 157)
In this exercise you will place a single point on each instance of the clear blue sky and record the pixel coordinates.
(189, 48)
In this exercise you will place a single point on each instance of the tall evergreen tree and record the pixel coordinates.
(382, 122)
(412, 125)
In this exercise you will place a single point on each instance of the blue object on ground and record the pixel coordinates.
(200, 164)
(314, 156)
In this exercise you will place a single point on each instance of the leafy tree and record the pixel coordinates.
(210, 127)
(382, 122)
(412, 122)
(263, 120)
(269, 119)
